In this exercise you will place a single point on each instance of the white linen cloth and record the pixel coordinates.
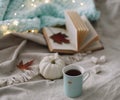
(102, 86)
(12, 55)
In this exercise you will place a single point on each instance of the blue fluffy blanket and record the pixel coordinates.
(22, 15)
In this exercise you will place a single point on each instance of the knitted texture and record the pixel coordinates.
(3, 8)
(23, 24)
(83, 7)
(47, 14)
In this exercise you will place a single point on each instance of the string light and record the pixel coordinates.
(4, 27)
(33, 5)
(33, 31)
(8, 23)
(15, 14)
(22, 5)
(73, 1)
(47, 1)
(81, 4)
(15, 22)
(7, 32)
(33, 0)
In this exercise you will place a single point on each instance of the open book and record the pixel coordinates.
(79, 35)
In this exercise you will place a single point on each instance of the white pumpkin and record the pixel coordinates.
(51, 67)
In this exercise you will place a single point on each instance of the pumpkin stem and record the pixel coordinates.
(53, 61)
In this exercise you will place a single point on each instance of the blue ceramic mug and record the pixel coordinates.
(73, 79)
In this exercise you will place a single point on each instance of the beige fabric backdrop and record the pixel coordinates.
(102, 86)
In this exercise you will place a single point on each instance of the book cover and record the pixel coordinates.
(95, 46)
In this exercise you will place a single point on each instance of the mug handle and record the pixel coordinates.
(85, 76)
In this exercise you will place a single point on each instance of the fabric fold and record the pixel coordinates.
(8, 66)
(25, 50)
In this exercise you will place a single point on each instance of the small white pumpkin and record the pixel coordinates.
(51, 67)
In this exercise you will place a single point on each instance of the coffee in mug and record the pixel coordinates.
(73, 79)
(73, 72)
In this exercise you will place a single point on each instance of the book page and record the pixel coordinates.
(49, 31)
(76, 27)
(72, 31)
(92, 36)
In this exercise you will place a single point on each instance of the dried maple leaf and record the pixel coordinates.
(25, 66)
(60, 38)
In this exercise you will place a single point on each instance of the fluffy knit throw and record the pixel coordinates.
(35, 14)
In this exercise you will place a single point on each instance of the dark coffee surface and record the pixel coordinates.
(73, 72)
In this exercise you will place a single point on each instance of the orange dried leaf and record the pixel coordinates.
(25, 66)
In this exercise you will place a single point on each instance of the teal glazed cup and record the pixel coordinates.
(73, 84)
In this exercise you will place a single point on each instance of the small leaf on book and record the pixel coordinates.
(25, 66)
(60, 38)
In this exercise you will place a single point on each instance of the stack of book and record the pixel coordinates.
(78, 36)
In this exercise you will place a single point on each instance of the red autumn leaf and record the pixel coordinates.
(25, 66)
(60, 38)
